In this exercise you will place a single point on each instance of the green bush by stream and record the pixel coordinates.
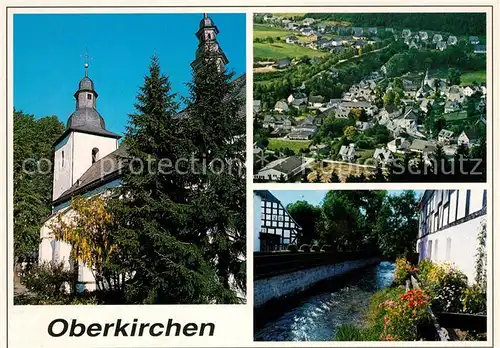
(394, 313)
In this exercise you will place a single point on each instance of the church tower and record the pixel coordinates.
(84, 141)
(207, 43)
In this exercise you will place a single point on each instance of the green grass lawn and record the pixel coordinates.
(279, 50)
(365, 153)
(467, 78)
(294, 145)
(262, 31)
(455, 116)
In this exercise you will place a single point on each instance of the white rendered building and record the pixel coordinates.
(450, 221)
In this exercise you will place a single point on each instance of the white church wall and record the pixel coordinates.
(46, 250)
(63, 159)
(51, 250)
(83, 145)
(86, 276)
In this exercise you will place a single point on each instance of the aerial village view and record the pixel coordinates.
(369, 97)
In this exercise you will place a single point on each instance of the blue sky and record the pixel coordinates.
(48, 63)
(314, 197)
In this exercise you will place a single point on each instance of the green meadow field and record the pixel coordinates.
(263, 31)
(467, 78)
(294, 145)
(279, 50)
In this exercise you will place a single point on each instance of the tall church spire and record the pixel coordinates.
(207, 43)
(86, 57)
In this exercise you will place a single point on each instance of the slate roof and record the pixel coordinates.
(86, 119)
(472, 134)
(286, 165)
(303, 133)
(423, 145)
(86, 84)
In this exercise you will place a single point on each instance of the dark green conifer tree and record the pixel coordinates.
(164, 260)
(217, 182)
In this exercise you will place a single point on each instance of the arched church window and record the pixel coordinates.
(62, 159)
(95, 154)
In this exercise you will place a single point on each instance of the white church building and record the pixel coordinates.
(78, 158)
(87, 156)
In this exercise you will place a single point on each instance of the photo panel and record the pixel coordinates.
(127, 153)
(370, 265)
(370, 97)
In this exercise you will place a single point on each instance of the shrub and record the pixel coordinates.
(348, 332)
(378, 307)
(305, 248)
(316, 248)
(293, 248)
(473, 300)
(52, 284)
(403, 271)
(400, 322)
(424, 268)
(49, 280)
(445, 284)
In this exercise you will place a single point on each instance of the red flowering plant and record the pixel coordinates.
(402, 318)
(403, 271)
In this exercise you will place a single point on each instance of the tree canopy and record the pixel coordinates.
(33, 154)
(364, 220)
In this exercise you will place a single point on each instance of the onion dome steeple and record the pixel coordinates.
(86, 118)
(207, 43)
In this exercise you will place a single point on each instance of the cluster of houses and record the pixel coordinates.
(423, 38)
(358, 36)
(402, 121)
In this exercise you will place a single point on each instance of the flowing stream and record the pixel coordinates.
(317, 317)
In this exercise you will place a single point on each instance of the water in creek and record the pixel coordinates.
(317, 317)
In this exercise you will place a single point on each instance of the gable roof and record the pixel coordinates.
(268, 196)
(472, 134)
(285, 165)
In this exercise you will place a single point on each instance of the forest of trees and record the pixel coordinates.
(367, 220)
(456, 23)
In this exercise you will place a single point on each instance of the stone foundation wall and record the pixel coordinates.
(290, 283)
